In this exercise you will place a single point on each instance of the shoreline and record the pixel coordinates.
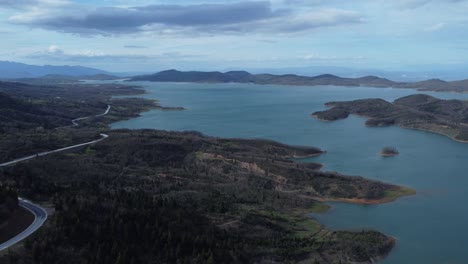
(321, 119)
(435, 132)
(385, 155)
(417, 89)
(308, 156)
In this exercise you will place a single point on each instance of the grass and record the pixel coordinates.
(319, 208)
(90, 151)
(307, 227)
(398, 192)
(301, 225)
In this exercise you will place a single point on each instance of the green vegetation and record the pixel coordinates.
(319, 208)
(396, 193)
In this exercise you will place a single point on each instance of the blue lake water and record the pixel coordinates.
(431, 227)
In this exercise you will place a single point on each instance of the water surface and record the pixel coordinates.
(431, 227)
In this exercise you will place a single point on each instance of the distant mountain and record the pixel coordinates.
(12, 70)
(292, 79)
(64, 79)
(245, 77)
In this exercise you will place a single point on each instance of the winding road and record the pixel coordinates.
(40, 214)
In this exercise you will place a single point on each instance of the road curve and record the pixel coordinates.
(74, 121)
(40, 214)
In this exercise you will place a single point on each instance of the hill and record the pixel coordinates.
(292, 79)
(16, 114)
(11, 70)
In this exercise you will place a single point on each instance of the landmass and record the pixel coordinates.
(292, 79)
(419, 111)
(142, 195)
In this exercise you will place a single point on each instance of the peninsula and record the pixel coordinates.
(419, 111)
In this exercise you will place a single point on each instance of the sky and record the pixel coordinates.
(143, 35)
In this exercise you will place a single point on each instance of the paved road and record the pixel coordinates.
(40, 214)
(13, 162)
(74, 121)
(103, 136)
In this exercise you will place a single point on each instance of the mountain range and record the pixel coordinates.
(292, 79)
(11, 70)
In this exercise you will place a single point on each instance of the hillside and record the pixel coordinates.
(419, 111)
(292, 79)
(16, 114)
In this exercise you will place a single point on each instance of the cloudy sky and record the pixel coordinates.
(144, 35)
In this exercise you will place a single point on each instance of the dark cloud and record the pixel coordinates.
(125, 20)
(249, 16)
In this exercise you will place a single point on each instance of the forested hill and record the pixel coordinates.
(17, 114)
(292, 79)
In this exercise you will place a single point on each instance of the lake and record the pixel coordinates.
(431, 227)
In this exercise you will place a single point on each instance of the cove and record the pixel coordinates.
(431, 227)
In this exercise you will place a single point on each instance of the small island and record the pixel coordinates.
(389, 152)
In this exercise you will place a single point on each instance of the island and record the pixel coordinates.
(418, 111)
(389, 152)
